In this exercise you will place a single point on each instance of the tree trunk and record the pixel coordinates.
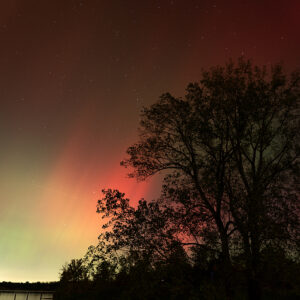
(254, 287)
(227, 267)
(253, 260)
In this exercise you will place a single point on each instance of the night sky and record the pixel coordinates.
(74, 77)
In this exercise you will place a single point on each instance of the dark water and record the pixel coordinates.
(25, 295)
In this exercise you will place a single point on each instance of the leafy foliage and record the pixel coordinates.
(75, 271)
(145, 231)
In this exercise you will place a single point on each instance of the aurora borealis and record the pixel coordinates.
(74, 77)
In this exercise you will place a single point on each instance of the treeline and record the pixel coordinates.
(177, 277)
(226, 225)
(30, 286)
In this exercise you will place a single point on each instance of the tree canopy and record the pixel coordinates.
(229, 154)
(230, 149)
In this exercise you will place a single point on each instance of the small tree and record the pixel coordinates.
(75, 271)
(73, 280)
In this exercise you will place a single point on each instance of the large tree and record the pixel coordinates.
(230, 153)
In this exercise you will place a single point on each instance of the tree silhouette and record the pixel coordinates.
(230, 149)
(147, 231)
(75, 271)
(228, 214)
